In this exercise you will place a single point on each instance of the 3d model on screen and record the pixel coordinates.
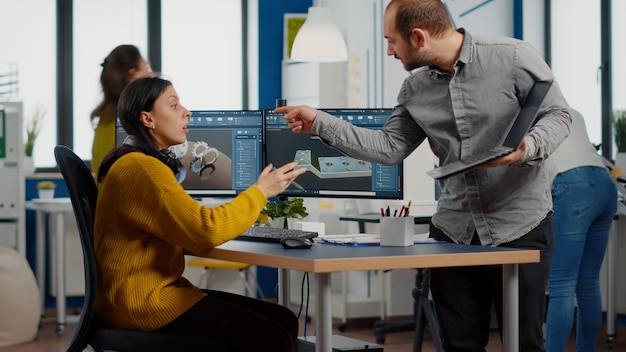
(204, 165)
(333, 166)
(204, 157)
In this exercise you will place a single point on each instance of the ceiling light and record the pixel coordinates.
(319, 40)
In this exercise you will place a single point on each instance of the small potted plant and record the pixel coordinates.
(32, 127)
(46, 189)
(277, 212)
(619, 124)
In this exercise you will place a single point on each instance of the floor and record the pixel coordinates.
(361, 329)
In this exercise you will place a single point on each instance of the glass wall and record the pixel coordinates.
(100, 26)
(618, 12)
(28, 39)
(202, 52)
(576, 58)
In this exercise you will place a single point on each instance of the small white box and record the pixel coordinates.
(397, 231)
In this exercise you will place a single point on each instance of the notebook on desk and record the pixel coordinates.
(524, 120)
(270, 234)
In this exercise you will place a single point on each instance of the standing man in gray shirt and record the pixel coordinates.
(463, 96)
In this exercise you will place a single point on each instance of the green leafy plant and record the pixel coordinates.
(619, 123)
(46, 185)
(282, 208)
(33, 127)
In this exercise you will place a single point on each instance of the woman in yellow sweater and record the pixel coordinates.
(123, 65)
(145, 223)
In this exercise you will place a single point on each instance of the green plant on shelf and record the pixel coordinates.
(46, 185)
(619, 124)
(33, 127)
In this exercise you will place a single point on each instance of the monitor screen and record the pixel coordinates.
(331, 173)
(223, 152)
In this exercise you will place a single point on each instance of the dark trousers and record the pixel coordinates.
(463, 296)
(243, 323)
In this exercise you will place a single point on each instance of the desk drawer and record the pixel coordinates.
(8, 234)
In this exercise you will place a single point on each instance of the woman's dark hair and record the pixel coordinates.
(137, 97)
(115, 77)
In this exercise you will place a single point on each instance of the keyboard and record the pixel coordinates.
(270, 234)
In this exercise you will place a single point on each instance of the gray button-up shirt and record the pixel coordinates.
(462, 114)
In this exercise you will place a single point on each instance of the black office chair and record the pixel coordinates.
(424, 317)
(83, 194)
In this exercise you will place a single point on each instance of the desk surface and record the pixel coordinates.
(328, 258)
(50, 205)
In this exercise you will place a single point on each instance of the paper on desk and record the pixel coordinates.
(367, 238)
(360, 238)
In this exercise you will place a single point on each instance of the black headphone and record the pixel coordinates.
(166, 156)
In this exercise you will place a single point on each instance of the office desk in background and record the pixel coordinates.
(322, 260)
(374, 218)
(55, 207)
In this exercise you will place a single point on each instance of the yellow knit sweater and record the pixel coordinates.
(144, 223)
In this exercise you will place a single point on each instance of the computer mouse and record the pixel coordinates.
(296, 243)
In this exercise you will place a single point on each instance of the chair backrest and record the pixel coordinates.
(83, 194)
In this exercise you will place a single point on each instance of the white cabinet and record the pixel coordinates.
(12, 228)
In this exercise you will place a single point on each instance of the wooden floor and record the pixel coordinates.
(361, 329)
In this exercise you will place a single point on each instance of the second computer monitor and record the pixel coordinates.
(329, 172)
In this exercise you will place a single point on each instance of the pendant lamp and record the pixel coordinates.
(319, 40)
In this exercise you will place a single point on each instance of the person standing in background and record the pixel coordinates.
(123, 65)
(585, 200)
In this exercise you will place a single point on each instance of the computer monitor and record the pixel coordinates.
(330, 172)
(223, 154)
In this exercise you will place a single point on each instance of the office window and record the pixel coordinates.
(28, 39)
(202, 52)
(100, 26)
(618, 12)
(576, 58)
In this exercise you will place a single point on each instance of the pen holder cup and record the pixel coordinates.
(397, 231)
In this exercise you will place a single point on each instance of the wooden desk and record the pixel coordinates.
(322, 260)
(56, 207)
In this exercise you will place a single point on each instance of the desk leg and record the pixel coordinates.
(283, 287)
(611, 256)
(510, 290)
(324, 321)
(60, 271)
(41, 258)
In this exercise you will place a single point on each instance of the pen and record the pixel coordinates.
(402, 211)
(395, 213)
(294, 183)
(387, 212)
(382, 212)
(406, 213)
(297, 185)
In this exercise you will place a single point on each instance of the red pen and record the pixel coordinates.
(402, 210)
(382, 212)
